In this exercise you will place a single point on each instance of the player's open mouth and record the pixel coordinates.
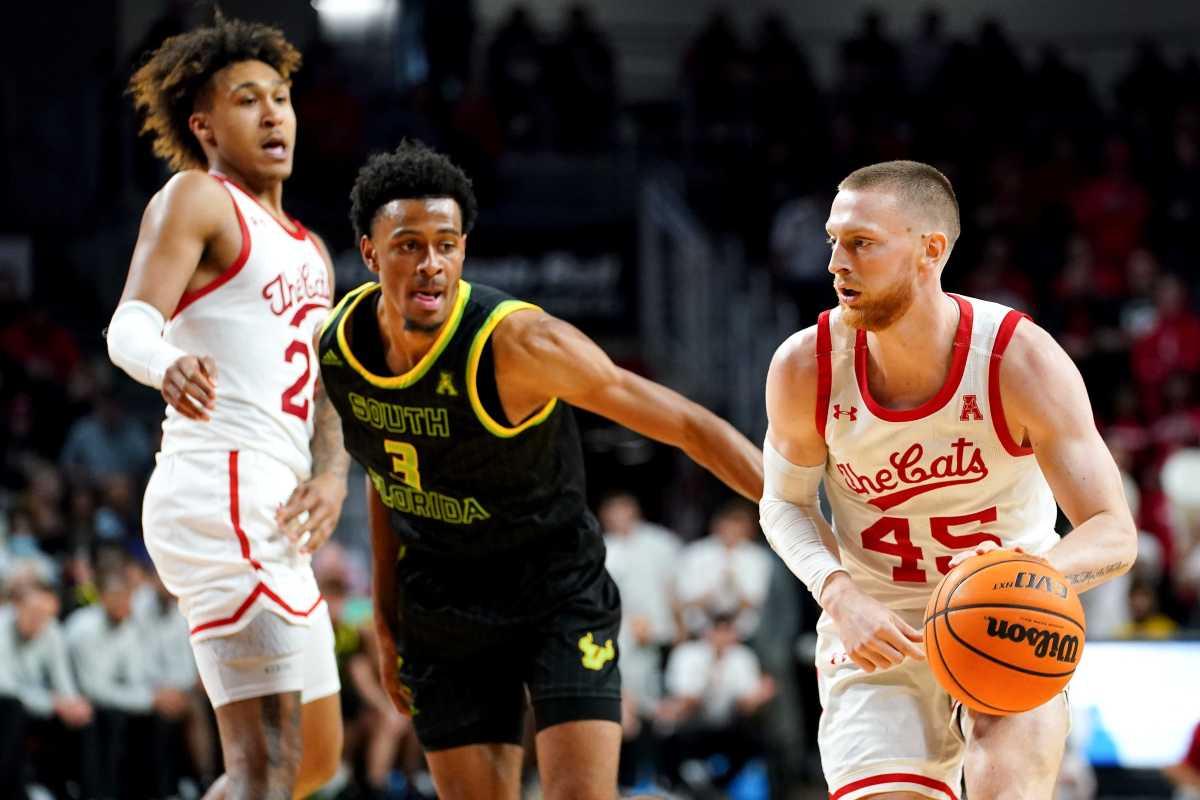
(848, 295)
(430, 301)
(276, 148)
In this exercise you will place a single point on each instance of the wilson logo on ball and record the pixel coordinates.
(1031, 580)
(1045, 644)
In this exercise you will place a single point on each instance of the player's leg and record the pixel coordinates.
(477, 770)
(1016, 757)
(578, 760)
(321, 715)
(885, 734)
(260, 740)
(575, 684)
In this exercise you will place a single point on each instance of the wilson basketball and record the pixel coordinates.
(1004, 632)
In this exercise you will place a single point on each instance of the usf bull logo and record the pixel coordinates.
(1046, 644)
(595, 656)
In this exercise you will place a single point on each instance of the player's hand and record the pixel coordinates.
(389, 672)
(311, 513)
(170, 703)
(986, 547)
(873, 635)
(190, 386)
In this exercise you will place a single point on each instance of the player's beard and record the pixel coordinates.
(883, 311)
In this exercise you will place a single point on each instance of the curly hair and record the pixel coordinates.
(410, 171)
(167, 85)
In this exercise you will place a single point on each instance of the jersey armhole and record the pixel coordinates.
(1004, 335)
(187, 298)
(824, 372)
(473, 358)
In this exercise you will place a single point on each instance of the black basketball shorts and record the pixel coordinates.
(564, 661)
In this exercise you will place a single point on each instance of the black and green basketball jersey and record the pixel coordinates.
(458, 479)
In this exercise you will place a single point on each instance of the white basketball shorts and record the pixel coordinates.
(270, 656)
(891, 731)
(209, 524)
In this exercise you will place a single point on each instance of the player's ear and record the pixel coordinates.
(936, 247)
(367, 248)
(198, 122)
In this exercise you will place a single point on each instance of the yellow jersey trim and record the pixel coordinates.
(421, 367)
(333, 313)
(495, 428)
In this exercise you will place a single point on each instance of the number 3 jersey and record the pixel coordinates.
(910, 489)
(257, 321)
(459, 481)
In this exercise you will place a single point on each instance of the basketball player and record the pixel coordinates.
(489, 568)
(942, 426)
(223, 297)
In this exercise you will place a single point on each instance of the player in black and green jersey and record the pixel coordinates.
(489, 568)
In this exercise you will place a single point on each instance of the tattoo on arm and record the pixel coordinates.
(1089, 575)
(328, 451)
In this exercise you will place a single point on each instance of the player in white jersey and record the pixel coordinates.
(224, 294)
(942, 427)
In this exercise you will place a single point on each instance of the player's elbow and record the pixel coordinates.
(1124, 542)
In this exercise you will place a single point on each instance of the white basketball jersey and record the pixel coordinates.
(256, 320)
(910, 489)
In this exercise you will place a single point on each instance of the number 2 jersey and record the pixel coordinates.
(257, 321)
(910, 489)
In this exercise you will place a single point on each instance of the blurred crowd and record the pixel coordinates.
(1080, 204)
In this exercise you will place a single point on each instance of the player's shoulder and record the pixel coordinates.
(190, 196)
(1033, 349)
(795, 360)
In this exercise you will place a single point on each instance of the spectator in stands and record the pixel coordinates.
(114, 673)
(516, 72)
(38, 697)
(106, 442)
(726, 572)
(1146, 620)
(641, 557)
(1170, 346)
(45, 349)
(582, 81)
(714, 687)
(1111, 211)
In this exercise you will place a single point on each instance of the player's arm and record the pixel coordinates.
(385, 547)
(311, 513)
(179, 223)
(541, 355)
(794, 456)
(1044, 393)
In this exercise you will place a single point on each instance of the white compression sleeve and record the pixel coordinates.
(791, 519)
(135, 342)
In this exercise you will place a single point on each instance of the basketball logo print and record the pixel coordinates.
(1004, 632)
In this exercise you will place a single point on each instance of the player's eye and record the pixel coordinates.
(829, 240)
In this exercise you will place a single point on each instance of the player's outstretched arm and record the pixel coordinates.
(1044, 394)
(179, 223)
(541, 356)
(311, 513)
(794, 456)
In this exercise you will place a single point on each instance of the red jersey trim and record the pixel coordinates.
(1004, 335)
(894, 777)
(235, 515)
(300, 234)
(263, 589)
(230, 272)
(824, 372)
(958, 364)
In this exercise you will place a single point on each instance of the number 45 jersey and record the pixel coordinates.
(459, 481)
(910, 489)
(257, 321)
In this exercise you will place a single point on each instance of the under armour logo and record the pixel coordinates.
(838, 413)
(970, 409)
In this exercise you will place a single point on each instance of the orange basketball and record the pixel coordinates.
(1004, 632)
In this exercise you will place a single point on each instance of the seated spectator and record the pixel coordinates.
(106, 442)
(38, 698)
(1146, 621)
(714, 686)
(111, 665)
(726, 572)
(641, 558)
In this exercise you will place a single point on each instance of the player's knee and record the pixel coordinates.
(999, 776)
(577, 788)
